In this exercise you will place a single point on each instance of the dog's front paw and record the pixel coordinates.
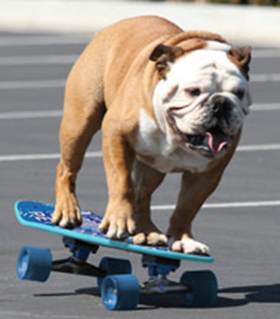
(67, 212)
(189, 246)
(151, 239)
(118, 221)
(148, 234)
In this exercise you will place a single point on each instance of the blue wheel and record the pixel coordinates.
(204, 288)
(114, 266)
(120, 292)
(34, 264)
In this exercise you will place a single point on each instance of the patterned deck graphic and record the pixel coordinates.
(42, 214)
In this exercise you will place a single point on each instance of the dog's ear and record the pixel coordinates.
(163, 55)
(241, 57)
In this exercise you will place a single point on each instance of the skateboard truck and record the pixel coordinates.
(80, 250)
(71, 266)
(159, 266)
(77, 263)
(158, 270)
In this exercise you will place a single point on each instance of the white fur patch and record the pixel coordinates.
(190, 246)
(153, 148)
(215, 45)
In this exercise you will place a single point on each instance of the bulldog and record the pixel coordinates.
(166, 101)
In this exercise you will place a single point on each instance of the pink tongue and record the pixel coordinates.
(216, 144)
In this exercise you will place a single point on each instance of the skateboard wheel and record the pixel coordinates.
(120, 292)
(114, 266)
(204, 288)
(34, 264)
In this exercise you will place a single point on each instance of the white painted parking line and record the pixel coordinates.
(265, 107)
(258, 147)
(58, 83)
(29, 315)
(6, 41)
(70, 58)
(98, 154)
(36, 84)
(28, 157)
(30, 114)
(40, 40)
(36, 114)
(266, 53)
(266, 77)
(38, 60)
(271, 203)
(36, 157)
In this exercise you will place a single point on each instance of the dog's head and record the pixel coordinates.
(202, 96)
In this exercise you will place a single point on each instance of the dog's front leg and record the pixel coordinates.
(76, 132)
(118, 157)
(195, 189)
(146, 180)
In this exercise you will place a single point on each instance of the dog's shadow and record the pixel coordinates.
(249, 294)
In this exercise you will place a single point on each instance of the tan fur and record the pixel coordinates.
(108, 85)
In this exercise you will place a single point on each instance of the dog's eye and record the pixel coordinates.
(194, 92)
(239, 93)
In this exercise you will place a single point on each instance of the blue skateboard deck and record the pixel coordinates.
(38, 215)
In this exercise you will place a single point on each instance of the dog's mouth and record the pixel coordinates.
(210, 143)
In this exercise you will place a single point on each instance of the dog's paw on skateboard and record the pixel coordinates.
(125, 224)
(150, 239)
(189, 246)
(67, 213)
(147, 233)
(117, 225)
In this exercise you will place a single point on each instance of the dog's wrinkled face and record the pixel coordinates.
(203, 97)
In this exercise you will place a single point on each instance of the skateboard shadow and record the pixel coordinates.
(154, 301)
(166, 301)
(256, 294)
(247, 294)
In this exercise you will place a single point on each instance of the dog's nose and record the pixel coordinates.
(221, 106)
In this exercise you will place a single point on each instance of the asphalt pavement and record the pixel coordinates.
(240, 222)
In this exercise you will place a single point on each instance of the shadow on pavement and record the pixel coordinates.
(256, 294)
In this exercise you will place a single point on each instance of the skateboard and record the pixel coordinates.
(118, 286)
